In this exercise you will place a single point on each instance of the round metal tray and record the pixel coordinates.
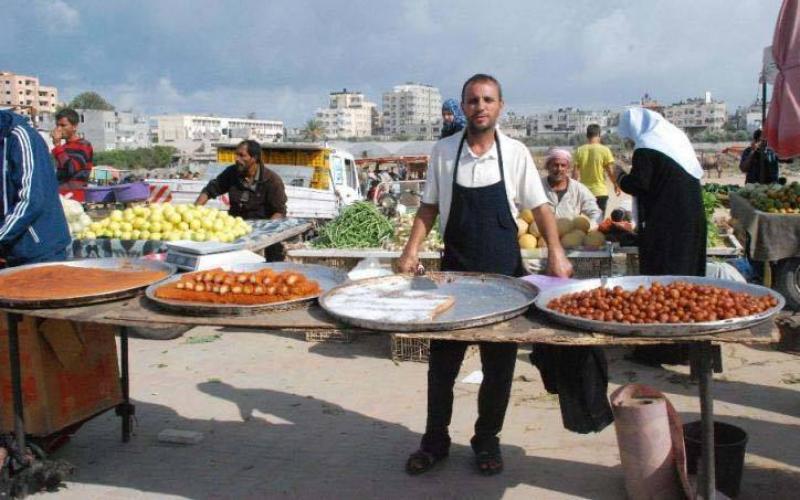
(82, 300)
(480, 299)
(327, 278)
(659, 329)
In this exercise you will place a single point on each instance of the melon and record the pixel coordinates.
(594, 239)
(582, 222)
(526, 215)
(572, 239)
(527, 242)
(534, 229)
(564, 226)
(522, 227)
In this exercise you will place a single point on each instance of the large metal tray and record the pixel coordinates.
(82, 300)
(480, 299)
(327, 278)
(661, 329)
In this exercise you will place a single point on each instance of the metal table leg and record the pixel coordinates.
(125, 409)
(16, 379)
(707, 478)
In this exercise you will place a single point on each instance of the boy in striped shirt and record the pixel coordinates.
(73, 154)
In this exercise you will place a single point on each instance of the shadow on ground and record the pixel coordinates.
(300, 447)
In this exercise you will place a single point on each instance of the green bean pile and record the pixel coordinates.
(360, 225)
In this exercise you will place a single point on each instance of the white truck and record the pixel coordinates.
(319, 180)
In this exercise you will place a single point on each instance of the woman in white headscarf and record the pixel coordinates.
(665, 180)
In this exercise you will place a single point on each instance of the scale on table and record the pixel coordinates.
(200, 255)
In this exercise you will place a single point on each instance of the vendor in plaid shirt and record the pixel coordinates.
(73, 154)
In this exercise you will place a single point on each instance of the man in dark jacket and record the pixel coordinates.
(34, 228)
(255, 192)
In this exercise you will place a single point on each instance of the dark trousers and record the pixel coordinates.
(602, 201)
(497, 361)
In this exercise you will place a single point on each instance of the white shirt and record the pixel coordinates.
(576, 200)
(523, 184)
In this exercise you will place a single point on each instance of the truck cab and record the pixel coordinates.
(318, 179)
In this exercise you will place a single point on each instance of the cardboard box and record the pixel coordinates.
(69, 373)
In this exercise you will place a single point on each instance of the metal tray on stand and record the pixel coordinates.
(658, 329)
(480, 299)
(327, 278)
(111, 264)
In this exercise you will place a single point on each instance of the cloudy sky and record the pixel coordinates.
(280, 58)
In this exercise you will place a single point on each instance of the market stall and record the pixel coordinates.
(773, 237)
(264, 234)
(515, 326)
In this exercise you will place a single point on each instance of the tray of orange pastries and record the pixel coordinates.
(245, 289)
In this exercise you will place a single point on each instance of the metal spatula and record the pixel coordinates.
(422, 282)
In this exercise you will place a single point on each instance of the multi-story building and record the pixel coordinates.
(109, 130)
(348, 115)
(26, 92)
(566, 122)
(749, 117)
(514, 125)
(698, 115)
(192, 134)
(413, 110)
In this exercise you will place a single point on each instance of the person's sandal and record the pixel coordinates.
(422, 461)
(489, 463)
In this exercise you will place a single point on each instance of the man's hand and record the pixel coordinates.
(57, 135)
(558, 264)
(422, 225)
(407, 263)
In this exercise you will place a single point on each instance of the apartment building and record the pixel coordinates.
(348, 115)
(698, 115)
(27, 93)
(565, 122)
(197, 133)
(414, 110)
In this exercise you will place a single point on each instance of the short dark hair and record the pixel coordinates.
(481, 77)
(70, 114)
(593, 130)
(757, 135)
(253, 148)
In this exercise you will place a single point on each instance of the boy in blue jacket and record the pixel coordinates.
(34, 228)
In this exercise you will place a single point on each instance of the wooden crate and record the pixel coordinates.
(342, 336)
(409, 349)
(69, 373)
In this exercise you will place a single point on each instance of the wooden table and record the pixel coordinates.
(529, 328)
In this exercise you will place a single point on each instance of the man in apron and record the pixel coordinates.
(477, 181)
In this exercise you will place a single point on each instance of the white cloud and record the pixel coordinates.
(56, 16)
(291, 105)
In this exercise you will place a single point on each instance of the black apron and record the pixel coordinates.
(481, 233)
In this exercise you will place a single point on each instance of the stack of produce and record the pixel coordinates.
(721, 189)
(710, 203)
(169, 223)
(77, 219)
(224, 287)
(774, 198)
(360, 225)
(402, 230)
(574, 233)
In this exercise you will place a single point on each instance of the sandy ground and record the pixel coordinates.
(282, 417)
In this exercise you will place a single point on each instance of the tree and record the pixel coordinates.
(147, 158)
(90, 100)
(314, 130)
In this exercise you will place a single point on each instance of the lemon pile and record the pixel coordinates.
(169, 223)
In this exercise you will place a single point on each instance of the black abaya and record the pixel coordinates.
(672, 224)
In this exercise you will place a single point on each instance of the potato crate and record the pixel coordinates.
(585, 263)
(409, 349)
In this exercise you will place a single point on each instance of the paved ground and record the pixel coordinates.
(285, 418)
